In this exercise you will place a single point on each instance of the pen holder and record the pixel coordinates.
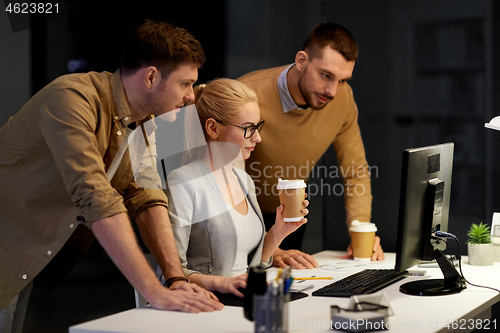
(271, 313)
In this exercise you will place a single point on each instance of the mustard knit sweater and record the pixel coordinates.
(293, 142)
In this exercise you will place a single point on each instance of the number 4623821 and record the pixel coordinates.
(472, 324)
(32, 8)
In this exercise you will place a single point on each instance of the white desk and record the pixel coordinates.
(312, 314)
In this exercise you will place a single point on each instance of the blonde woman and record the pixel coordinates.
(217, 222)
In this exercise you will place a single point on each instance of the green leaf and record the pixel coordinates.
(479, 234)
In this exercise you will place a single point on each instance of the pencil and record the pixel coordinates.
(314, 278)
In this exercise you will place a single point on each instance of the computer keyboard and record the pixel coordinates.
(364, 282)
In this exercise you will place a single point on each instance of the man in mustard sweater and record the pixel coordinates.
(309, 106)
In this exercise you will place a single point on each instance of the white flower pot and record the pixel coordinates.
(480, 254)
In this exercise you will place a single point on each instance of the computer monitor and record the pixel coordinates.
(424, 210)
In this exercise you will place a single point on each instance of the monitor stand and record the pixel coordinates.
(452, 283)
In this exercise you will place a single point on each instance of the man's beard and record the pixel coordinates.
(308, 96)
(150, 105)
(154, 103)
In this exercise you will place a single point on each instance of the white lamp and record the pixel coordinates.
(495, 236)
(494, 123)
(495, 221)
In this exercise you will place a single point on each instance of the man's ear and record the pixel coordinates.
(301, 60)
(152, 77)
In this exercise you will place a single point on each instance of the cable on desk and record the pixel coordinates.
(449, 235)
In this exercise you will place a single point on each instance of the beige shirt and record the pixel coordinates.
(294, 141)
(54, 154)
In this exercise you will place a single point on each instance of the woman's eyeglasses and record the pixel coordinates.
(249, 130)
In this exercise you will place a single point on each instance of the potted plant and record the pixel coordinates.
(480, 248)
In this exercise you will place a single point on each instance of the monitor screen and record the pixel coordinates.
(416, 209)
(424, 209)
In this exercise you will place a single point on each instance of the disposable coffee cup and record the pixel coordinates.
(362, 240)
(292, 194)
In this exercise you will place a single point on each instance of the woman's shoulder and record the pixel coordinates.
(188, 172)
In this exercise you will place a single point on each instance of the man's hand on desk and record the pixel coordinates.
(222, 284)
(294, 258)
(378, 253)
(183, 285)
(184, 298)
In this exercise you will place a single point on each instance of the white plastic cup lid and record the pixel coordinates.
(357, 226)
(289, 184)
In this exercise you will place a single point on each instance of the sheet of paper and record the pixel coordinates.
(301, 286)
(336, 264)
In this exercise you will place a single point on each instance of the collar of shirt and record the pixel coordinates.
(286, 99)
(122, 111)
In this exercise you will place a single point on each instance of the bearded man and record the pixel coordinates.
(309, 106)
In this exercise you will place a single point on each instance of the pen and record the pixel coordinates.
(286, 276)
(280, 271)
(314, 278)
(288, 283)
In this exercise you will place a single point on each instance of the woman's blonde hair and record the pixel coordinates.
(220, 99)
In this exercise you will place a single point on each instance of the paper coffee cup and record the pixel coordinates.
(292, 194)
(362, 240)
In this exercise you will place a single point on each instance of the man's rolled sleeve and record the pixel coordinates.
(142, 199)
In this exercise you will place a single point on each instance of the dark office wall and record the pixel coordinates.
(262, 34)
(95, 31)
(494, 136)
(239, 36)
(15, 78)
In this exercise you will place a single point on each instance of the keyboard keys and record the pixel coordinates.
(364, 282)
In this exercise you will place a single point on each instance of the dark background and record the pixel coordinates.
(426, 74)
